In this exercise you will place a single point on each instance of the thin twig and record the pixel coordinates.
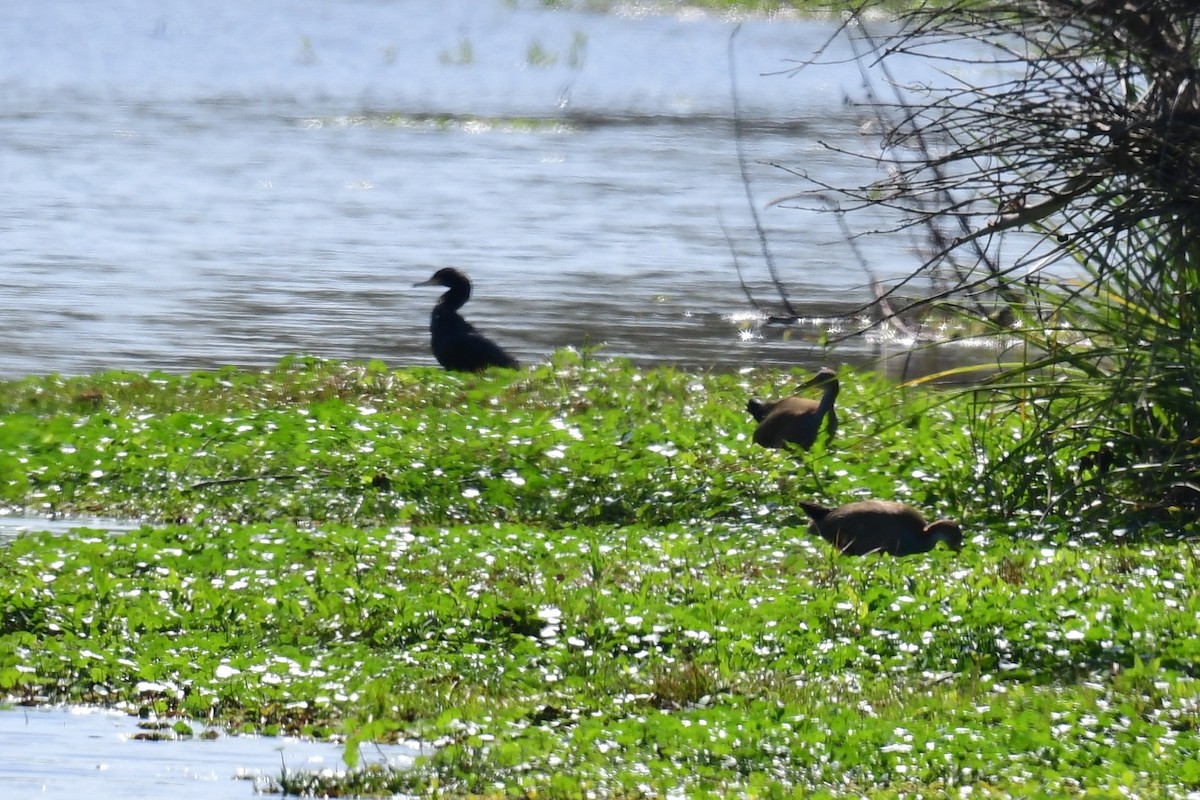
(737, 264)
(250, 478)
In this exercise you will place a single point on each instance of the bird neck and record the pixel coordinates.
(825, 407)
(827, 400)
(454, 298)
(446, 320)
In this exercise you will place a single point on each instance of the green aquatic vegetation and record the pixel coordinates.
(583, 578)
(311, 440)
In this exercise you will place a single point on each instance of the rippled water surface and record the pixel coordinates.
(190, 185)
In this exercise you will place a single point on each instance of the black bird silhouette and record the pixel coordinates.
(457, 344)
(880, 526)
(796, 419)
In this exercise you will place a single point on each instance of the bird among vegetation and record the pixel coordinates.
(795, 419)
(457, 344)
(880, 526)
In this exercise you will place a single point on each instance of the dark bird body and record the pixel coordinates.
(880, 526)
(457, 344)
(796, 419)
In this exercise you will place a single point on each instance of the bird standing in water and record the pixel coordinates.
(457, 345)
(796, 419)
(880, 526)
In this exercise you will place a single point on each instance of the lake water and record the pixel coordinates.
(73, 753)
(189, 185)
(13, 525)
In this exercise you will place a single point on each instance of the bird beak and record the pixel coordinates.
(429, 282)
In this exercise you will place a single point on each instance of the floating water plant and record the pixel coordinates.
(582, 579)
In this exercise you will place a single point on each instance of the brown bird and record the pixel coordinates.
(880, 526)
(457, 344)
(796, 419)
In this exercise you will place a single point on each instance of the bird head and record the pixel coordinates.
(446, 276)
(825, 377)
(946, 531)
(758, 409)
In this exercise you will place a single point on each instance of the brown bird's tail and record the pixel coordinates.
(814, 511)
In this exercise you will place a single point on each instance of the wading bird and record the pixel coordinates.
(457, 345)
(796, 419)
(880, 526)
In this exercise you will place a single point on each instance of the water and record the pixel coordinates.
(13, 525)
(66, 754)
(194, 185)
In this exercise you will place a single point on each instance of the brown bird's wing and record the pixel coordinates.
(874, 526)
(793, 419)
(468, 350)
